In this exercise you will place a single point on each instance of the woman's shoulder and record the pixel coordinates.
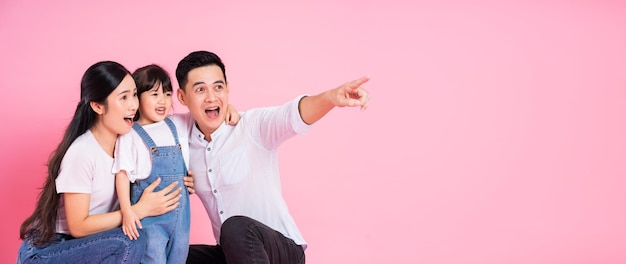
(82, 145)
(84, 142)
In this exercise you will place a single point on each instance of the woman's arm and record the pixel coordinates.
(80, 222)
(151, 203)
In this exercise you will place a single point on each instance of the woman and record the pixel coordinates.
(76, 217)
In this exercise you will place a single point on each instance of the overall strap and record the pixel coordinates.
(144, 136)
(170, 124)
(173, 129)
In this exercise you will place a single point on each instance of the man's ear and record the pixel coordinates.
(97, 107)
(181, 96)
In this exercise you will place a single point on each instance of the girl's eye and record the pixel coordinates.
(135, 94)
(124, 97)
(168, 94)
(155, 94)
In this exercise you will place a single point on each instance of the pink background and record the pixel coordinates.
(496, 131)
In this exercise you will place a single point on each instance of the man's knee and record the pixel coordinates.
(235, 226)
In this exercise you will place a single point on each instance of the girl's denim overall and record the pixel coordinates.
(167, 234)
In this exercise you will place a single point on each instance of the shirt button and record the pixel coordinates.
(210, 170)
(208, 149)
(214, 191)
(221, 212)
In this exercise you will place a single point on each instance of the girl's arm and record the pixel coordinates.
(151, 203)
(130, 220)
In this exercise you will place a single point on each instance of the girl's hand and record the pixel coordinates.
(130, 222)
(232, 116)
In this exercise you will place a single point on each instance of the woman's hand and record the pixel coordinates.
(157, 203)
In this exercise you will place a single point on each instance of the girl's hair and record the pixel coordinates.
(149, 76)
(97, 83)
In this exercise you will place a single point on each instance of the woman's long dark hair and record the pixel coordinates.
(96, 85)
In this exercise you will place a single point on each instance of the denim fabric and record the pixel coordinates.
(110, 246)
(245, 240)
(167, 234)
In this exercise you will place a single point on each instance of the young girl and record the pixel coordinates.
(156, 148)
(75, 220)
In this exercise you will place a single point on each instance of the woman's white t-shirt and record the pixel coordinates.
(86, 168)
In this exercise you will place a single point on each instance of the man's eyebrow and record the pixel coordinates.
(196, 83)
(201, 82)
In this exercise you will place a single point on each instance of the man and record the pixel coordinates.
(236, 169)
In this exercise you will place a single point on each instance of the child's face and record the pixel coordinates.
(154, 105)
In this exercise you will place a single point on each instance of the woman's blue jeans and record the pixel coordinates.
(110, 246)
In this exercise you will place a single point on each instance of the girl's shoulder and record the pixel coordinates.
(182, 121)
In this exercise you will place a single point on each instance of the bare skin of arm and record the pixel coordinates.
(151, 203)
(130, 220)
(313, 108)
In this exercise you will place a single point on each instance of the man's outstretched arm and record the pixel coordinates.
(313, 108)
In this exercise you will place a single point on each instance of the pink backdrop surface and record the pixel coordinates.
(496, 132)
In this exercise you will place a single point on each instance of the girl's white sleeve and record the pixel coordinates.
(125, 156)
